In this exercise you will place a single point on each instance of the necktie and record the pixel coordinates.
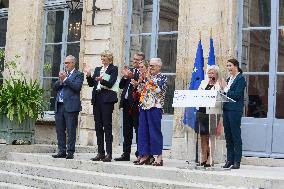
(61, 93)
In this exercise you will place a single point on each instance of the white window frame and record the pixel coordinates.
(154, 33)
(3, 15)
(55, 5)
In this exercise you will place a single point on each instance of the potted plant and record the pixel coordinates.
(21, 102)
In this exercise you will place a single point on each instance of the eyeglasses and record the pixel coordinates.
(67, 62)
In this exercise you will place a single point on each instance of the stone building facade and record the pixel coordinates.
(44, 32)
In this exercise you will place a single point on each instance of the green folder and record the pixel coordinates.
(115, 87)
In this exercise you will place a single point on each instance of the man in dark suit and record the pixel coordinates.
(67, 107)
(104, 97)
(130, 106)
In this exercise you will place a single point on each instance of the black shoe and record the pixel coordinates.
(207, 165)
(123, 157)
(228, 164)
(70, 156)
(59, 156)
(99, 157)
(107, 158)
(236, 165)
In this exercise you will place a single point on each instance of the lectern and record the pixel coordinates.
(200, 98)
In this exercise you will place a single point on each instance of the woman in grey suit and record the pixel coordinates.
(232, 113)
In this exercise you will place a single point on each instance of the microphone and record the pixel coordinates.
(213, 78)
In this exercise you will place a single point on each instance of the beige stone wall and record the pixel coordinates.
(107, 33)
(24, 35)
(197, 16)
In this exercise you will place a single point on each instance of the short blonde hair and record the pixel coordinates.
(215, 69)
(109, 55)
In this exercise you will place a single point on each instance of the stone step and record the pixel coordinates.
(4, 185)
(21, 180)
(31, 171)
(44, 148)
(174, 170)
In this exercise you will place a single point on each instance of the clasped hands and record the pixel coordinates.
(62, 75)
(87, 72)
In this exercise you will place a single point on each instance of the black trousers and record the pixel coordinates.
(130, 122)
(66, 121)
(103, 123)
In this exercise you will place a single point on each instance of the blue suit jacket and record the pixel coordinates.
(236, 92)
(72, 87)
(109, 95)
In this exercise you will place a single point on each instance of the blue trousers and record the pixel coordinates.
(66, 121)
(232, 129)
(150, 137)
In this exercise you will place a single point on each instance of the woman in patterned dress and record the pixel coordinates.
(152, 90)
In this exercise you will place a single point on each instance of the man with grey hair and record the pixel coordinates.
(67, 107)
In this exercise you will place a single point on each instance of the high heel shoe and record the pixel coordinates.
(158, 163)
(145, 161)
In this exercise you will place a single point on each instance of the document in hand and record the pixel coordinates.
(115, 87)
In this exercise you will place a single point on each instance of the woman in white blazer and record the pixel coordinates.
(206, 129)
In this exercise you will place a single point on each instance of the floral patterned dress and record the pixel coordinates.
(153, 91)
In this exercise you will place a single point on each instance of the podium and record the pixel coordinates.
(212, 100)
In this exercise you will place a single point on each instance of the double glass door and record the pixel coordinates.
(261, 53)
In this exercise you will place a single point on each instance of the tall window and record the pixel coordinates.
(61, 38)
(255, 42)
(153, 26)
(3, 29)
(258, 33)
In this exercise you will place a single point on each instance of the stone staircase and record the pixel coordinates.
(40, 170)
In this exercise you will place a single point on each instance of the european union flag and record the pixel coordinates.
(211, 57)
(196, 78)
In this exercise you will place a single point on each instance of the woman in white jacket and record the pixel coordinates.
(206, 128)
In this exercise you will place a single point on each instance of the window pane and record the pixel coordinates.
(281, 12)
(54, 27)
(52, 57)
(168, 109)
(142, 16)
(281, 51)
(279, 98)
(74, 49)
(256, 97)
(255, 51)
(168, 18)
(257, 13)
(167, 51)
(74, 30)
(49, 93)
(3, 30)
(4, 4)
(140, 44)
